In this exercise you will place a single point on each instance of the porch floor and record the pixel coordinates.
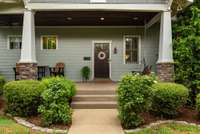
(98, 84)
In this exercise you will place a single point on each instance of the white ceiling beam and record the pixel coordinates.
(155, 19)
(110, 7)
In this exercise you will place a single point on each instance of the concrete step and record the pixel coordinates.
(95, 98)
(94, 105)
(96, 92)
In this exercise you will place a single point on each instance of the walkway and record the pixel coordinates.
(89, 120)
(95, 121)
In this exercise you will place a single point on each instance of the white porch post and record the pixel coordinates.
(165, 45)
(165, 61)
(27, 63)
(28, 38)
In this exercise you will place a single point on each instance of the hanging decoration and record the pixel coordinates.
(101, 55)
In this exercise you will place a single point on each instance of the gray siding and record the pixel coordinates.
(8, 58)
(108, 1)
(75, 43)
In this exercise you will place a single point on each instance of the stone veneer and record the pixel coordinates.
(165, 72)
(27, 71)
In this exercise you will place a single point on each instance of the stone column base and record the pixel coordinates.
(165, 72)
(27, 71)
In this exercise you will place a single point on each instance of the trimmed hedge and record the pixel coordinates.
(2, 83)
(134, 97)
(198, 105)
(56, 97)
(168, 98)
(23, 97)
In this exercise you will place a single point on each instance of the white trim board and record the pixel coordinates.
(104, 7)
(110, 56)
(155, 19)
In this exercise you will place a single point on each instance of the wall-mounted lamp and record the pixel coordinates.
(115, 50)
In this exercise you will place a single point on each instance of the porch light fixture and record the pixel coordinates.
(15, 23)
(135, 18)
(102, 18)
(69, 18)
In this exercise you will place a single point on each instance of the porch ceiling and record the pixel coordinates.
(83, 18)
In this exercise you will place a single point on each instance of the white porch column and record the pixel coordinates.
(28, 64)
(165, 68)
(165, 44)
(28, 38)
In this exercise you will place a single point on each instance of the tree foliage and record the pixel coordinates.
(186, 44)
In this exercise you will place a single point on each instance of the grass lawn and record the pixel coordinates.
(8, 126)
(170, 129)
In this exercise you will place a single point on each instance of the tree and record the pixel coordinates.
(186, 45)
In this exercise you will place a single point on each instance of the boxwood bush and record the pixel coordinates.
(134, 97)
(56, 96)
(23, 97)
(168, 98)
(198, 105)
(2, 82)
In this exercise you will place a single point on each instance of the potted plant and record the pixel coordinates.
(85, 72)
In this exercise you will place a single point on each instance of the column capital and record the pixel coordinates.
(30, 10)
(169, 10)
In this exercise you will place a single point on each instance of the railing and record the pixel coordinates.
(107, 1)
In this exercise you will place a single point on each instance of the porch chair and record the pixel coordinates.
(16, 71)
(146, 70)
(58, 70)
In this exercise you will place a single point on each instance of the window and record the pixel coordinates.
(49, 42)
(131, 53)
(14, 42)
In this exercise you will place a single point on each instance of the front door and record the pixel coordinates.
(101, 60)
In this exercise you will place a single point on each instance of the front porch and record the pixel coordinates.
(76, 33)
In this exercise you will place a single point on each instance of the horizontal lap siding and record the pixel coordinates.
(76, 43)
(108, 1)
(8, 58)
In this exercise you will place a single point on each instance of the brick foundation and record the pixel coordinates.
(165, 72)
(27, 71)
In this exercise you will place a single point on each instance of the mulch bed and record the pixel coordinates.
(38, 122)
(185, 114)
(2, 105)
(34, 119)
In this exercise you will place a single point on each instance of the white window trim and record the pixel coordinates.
(8, 41)
(139, 49)
(41, 42)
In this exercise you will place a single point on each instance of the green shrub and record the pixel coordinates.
(198, 105)
(168, 98)
(23, 97)
(55, 107)
(66, 84)
(85, 72)
(2, 82)
(134, 97)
